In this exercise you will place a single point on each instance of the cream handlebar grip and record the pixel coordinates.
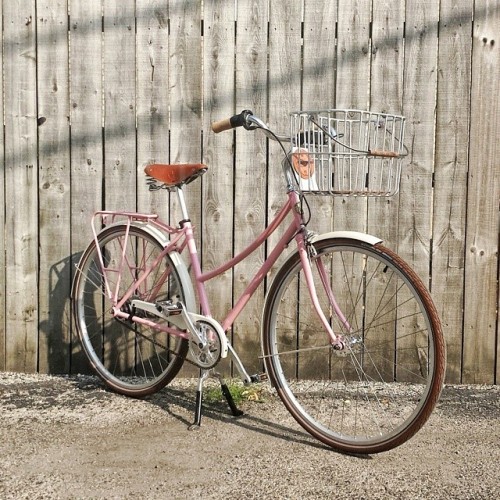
(233, 122)
(221, 125)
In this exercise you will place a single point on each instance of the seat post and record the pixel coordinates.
(182, 202)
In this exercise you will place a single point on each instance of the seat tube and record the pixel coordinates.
(182, 203)
(193, 254)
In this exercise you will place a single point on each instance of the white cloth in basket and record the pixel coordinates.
(303, 164)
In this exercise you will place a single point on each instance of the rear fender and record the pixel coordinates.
(177, 260)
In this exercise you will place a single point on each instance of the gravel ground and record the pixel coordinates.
(67, 437)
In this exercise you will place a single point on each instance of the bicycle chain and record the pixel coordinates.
(156, 343)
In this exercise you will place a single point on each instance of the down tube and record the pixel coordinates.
(257, 279)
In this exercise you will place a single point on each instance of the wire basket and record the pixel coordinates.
(347, 152)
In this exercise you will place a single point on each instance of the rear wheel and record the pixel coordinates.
(131, 358)
(378, 390)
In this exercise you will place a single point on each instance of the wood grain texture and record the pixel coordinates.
(119, 88)
(152, 99)
(87, 148)
(21, 188)
(419, 104)
(217, 192)
(2, 222)
(185, 100)
(386, 95)
(319, 77)
(450, 179)
(95, 90)
(250, 167)
(285, 39)
(353, 84)
(481, 256)
(54, 181)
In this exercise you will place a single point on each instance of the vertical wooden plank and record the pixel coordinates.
(419, 104)
(450, 179)
(152, 99)
(185, 76)
(353, 85)
(119, 104)
(387, 63)
(54, 185)
(21, 189)
(285, 54)
(319, 74)
(353, 75)
(481, 261)
(86, 130)
(285, 75)
(319, 78)
(250, 168)
(119, 111)
(185, 104)
(285, 41)
(217, 192)
(386, 95)
(2, 212)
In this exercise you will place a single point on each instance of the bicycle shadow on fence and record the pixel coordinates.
(60, 352)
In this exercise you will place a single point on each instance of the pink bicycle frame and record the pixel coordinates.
(294, 231)
(183, 237)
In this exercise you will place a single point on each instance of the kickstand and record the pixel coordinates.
(199, 401)
(235, 411)
(204, 374)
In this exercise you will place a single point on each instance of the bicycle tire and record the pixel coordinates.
(378, 392)
(131, 358)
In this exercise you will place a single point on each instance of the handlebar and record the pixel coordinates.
(249, 121)
(245, 119)
(241, 120)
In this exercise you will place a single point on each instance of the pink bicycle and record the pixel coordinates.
(351, 340)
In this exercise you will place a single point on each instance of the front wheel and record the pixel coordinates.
(376, 392)
(132, 358)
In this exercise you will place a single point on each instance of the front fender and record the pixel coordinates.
(352, 235)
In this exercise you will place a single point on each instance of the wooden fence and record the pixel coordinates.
(93, 90)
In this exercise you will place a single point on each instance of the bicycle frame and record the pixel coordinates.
(183, 237)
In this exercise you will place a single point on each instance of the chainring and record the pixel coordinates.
(208, 356)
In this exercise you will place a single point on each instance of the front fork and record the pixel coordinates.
(308, 254)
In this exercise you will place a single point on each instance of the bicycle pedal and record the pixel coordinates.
(168, 308)
(258, 377)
